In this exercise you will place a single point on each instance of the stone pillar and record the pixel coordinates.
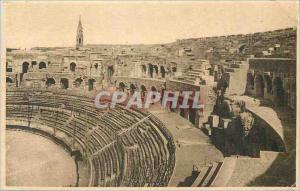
(213, 120)
(147, 71)
(139, 69)
(71, 84)
(154, 72)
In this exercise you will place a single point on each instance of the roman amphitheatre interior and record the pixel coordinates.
(245, 135)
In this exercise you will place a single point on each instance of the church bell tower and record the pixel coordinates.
(79, 37)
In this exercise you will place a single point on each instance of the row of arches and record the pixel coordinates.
(132, 88)
(65, 84)
(264, 85)
(110, 69)
(25, 66)
(190, 113)
(153, 71)
(41, 65)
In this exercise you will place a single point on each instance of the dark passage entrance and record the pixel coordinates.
(91, 84)
(64, 83)
(50, 82)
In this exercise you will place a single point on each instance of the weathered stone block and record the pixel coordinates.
(225, 123)
(213, 120)
(207, 129)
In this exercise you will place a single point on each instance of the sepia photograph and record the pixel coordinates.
(130, 94)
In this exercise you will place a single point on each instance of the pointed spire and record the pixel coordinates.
(79, 23)
(79, 37)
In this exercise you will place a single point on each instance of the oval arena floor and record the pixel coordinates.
(33, 160)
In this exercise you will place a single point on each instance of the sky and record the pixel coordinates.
(31, 24)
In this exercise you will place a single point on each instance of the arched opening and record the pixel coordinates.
(250, 81)
(266, 136)
(269, 83)
(64, 83)
(150, 66)
(155, 67)
(278, 91)
(9, 80)
(96, 66)
(143, 91)
(25, 66)
(153, 89)
(144, 69)
(259, 86)
(162, 71)
(242, 48)
(110, 71)
(91, 83)
(122, 86)
(33, 63)
(174, 69)
(72, 67)
(42, 65)
(143, 88)
(132, 89)
(50, 82)
(78, 82)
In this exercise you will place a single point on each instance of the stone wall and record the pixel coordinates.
(237, 80)
(273, 79)
(138, 82)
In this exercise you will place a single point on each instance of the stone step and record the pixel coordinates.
(197, 70)
(235, 65)
(209, 175)
(190, 77)
(194, 73)
(200, 177)
(189, 81)
(229, 70)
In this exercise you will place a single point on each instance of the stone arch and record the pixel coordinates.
(9, 80)
(242, 48)
(259, 85)
(250, 81)
(279, 91)
(50, 82)
(162, 71)
(150, 66)
(132, 88)
(174, 69)
(42, 65)
(143, 91)
(122, 86)
(144, 69)
(78, 82)
(25, 67)
(268, 82)
(143, 88)
(155, 69)
(96, 65)
(110, 71)
(73, 66)
(64, 83)
(153, 88)
(91, 84)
